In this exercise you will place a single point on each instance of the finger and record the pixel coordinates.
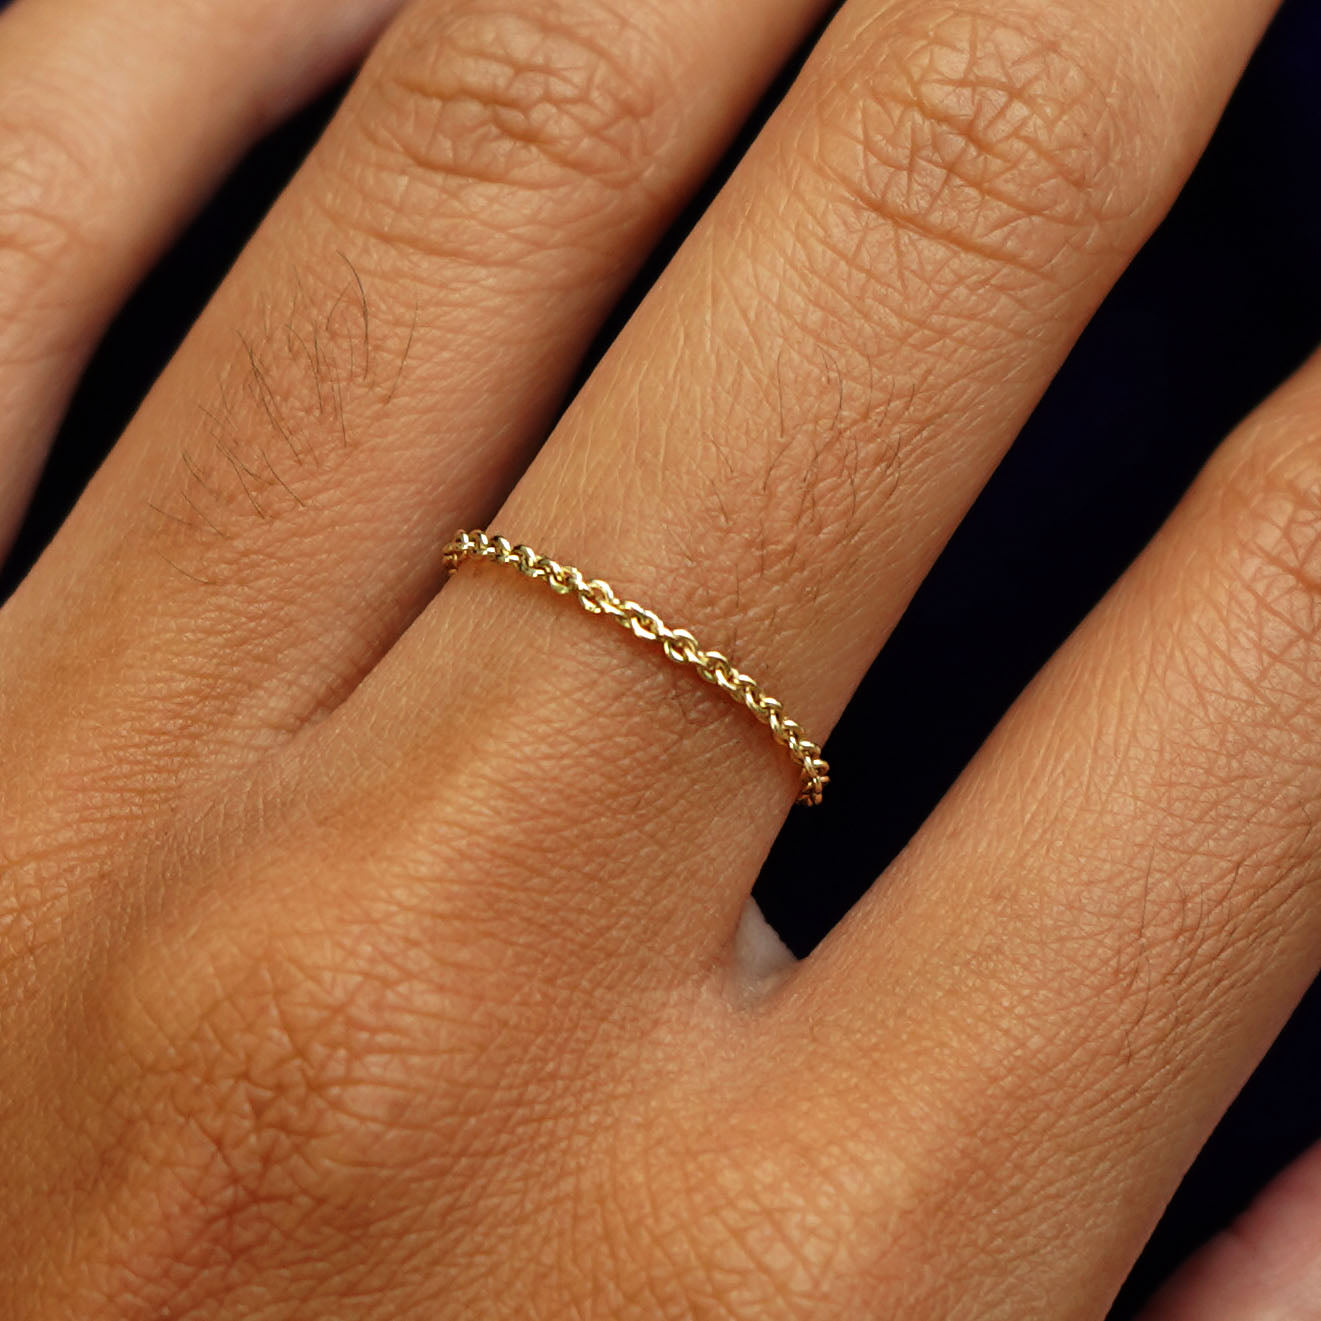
(390, 347)
(1266, 1265)
(115, 120)
(774, 451)
(1083, 953)
(392, 341)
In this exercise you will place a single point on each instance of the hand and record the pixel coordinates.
(375, 951)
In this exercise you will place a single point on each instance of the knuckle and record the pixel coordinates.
(1007, 136)
(511, 102)
(265, 1100)
(954, 161)
(758, 1207)
(1272, 498)
(285, 1094)
(41, 209)
(1249, 662)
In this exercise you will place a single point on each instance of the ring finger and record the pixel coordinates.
(777, 447)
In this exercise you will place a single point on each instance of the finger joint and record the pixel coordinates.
(501, 109)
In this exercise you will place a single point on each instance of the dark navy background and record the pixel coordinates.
(1220, 306)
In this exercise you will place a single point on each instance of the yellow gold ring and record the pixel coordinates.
(599, 598)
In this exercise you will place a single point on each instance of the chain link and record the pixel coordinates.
(599, 598)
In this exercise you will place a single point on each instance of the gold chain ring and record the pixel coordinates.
(599, 598)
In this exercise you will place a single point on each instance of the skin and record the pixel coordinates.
(372, 950)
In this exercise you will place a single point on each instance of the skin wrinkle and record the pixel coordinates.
(371, 1024)
(1206, 912)
(1037, 153)
(937, 151)
(532, 105)
(38, 231)
(360, 970)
